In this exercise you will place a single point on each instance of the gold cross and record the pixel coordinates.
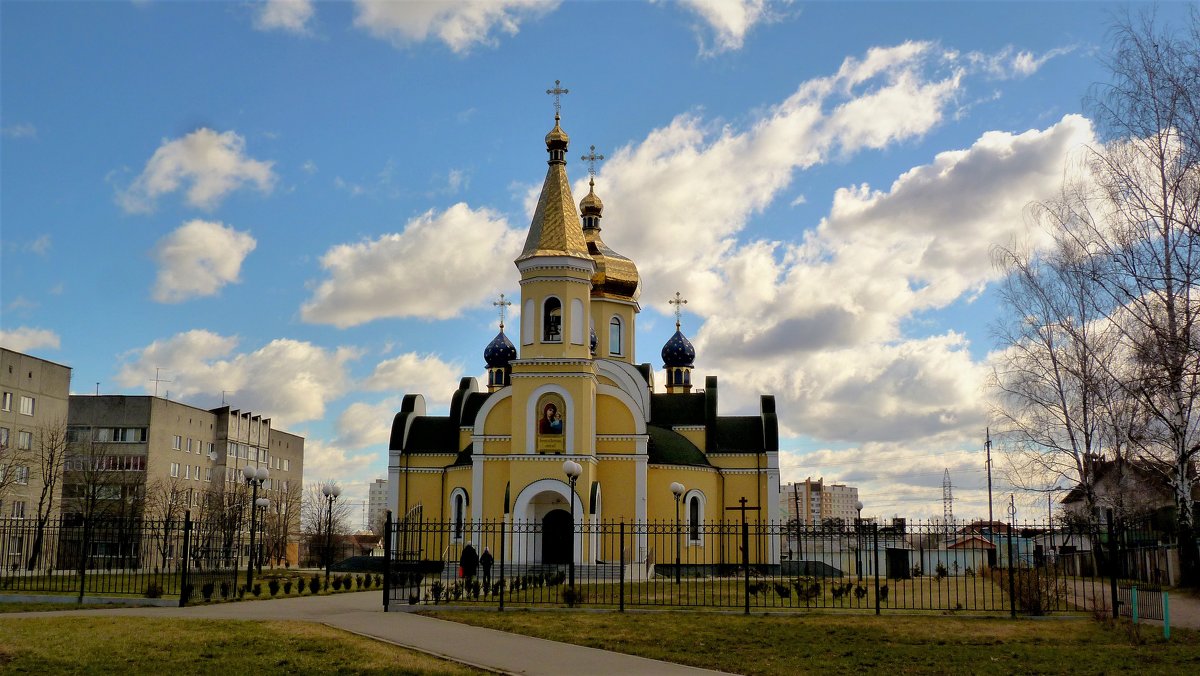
(591, 159)
(678, 302)
(503, 305)
(556, 93)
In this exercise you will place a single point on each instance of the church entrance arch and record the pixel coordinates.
(556, 536)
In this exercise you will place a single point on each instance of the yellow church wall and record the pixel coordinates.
(556, 284)
(425, 489)
(579, 425)
(615, 446)
(612, 416)
(499, 420)
(602, 313)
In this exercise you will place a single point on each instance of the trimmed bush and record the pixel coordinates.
(314, 584)
(573, 596)
(287, 586)
(337, 583)
(207, 591)
(273, 586)
(224, 589)
(154, 590)
(256, 589)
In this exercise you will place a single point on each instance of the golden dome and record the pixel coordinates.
(591, 205)
(616, 276)
(557, 137)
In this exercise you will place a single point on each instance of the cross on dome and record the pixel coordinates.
(503, 305)
(678, 302)
(591, 158)
(556, 93)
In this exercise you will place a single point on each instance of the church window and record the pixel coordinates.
(552, 321)
(458, 513)
(614, 336)
(695, 517)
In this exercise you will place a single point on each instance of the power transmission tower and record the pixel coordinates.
(948, 504)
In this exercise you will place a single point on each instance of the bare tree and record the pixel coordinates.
(282, 519)
(1143, 224)
(166, 501)
(49, 459)
(16, 454)
(318, 522)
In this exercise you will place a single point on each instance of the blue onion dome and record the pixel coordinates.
(499, 352)
(678, 351)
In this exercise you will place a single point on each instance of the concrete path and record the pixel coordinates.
(362, 613)
(1184, 609)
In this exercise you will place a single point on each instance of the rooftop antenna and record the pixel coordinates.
(158, 380)
(224, 392)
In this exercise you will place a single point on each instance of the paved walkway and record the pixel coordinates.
(1184, 609)
(362, 613)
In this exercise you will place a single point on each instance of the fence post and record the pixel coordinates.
(1112, 564)
(503, 538)
(1012, 584)
(621, 584)
(746, 559)
(1166, 616)
(187, 555)
(1133, 600)
(875, 537)
(387, 560)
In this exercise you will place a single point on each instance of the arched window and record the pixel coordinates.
(614, 335)
(552, 321)
(695, 517)
(458, 514)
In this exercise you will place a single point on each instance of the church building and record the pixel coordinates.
(573, 390)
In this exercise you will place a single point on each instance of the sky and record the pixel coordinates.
(306, 209)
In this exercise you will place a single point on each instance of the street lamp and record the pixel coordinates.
(858, 536)
(677, 490)
(261, 504)
(573, 470)
(331, 491)
(255, 477)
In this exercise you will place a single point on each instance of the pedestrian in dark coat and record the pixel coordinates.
(486, 561)
(469, 561)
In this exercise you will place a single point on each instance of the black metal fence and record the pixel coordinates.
(998, 568)
(164, 558)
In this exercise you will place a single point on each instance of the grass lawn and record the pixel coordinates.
(136, 645)
(789, 644)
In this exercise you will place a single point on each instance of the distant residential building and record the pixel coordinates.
(377, 504)
(815, 502)
(1132, 489)
(158, 457)
(33, 404)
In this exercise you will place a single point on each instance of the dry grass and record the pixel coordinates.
(786, 644)
(135, 645)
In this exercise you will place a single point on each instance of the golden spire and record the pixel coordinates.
(556, 229)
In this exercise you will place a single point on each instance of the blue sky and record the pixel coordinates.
(311, 206)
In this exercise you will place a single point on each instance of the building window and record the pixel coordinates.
(695, 517)
(189, 445)
(24, 440)
(18, 509)
(614, 336)
(196, 476)
(22, 475)
(187, 471)
(6, 405)
(458, 511)
(3, 437)
(27, 405)
(208, 474)
(176, 442)
(287, 465)
(552, 321)
(175, 469)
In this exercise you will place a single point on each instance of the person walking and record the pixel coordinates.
(469, 562)
(485, 561)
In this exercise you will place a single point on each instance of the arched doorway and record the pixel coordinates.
(556, 536)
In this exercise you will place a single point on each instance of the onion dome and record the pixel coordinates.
(556, 138)
(616, 276)
(499, 352)
(678, 352)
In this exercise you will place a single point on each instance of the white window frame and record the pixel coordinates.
(687, 510)
(6, 404)
(24, 440)
(616, 350)
(176, 442)
(456, 533)
(28, 405)
(546, 321)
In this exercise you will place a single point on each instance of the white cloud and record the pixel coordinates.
(286, 15)
(324, 461)
(213, 164)
(730, 21)
(287, 380)
(459, 24)
(1009, 63)
(362, 425)
(199, 258)
(439, 265)
(24, 339)
(309, 167)
(40, 246)
(412, 372)
(21, 130)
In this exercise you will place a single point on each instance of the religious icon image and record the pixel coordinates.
(551, 422)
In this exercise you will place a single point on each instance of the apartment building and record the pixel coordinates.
(377, 505)
(813, 502)
(33, 418)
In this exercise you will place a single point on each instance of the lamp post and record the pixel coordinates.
(858, 536)
(261, 504)
(677, 490)
(573, 470)
(331, 491)
(255, 477)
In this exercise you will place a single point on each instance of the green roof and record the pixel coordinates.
(668, 447)
(669, 410)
